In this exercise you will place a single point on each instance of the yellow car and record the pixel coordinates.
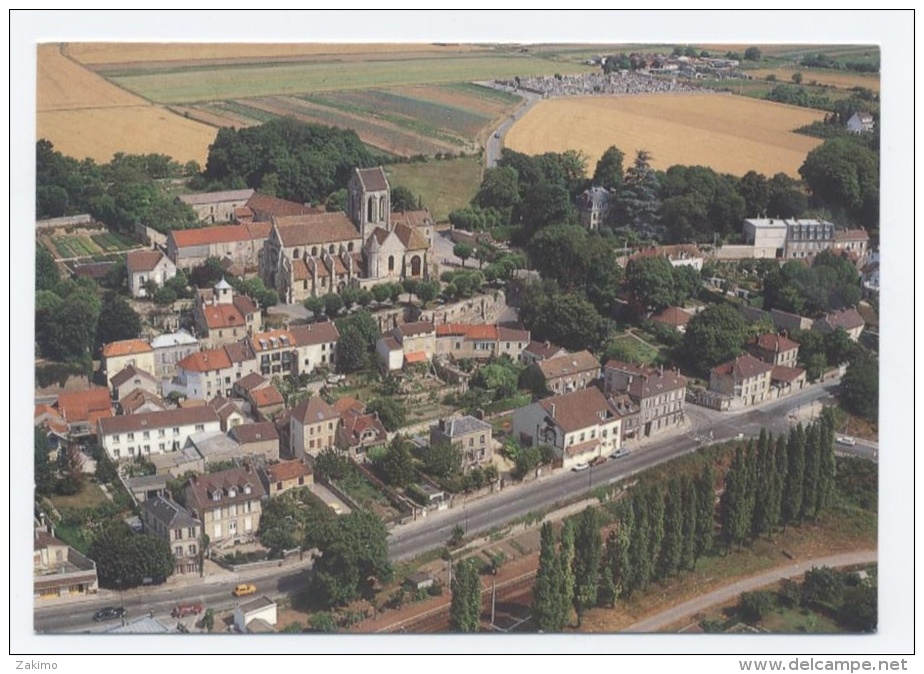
(244, 589)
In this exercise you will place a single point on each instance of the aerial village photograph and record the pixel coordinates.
(404, 338)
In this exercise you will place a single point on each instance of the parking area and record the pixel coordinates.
(332, 500)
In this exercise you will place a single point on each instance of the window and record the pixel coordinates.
(279, 486)
(192, 550)
(131, 436)
(301, 480)
(161, 433)
(162, 447)
(324, 347)
(191, 532)
(115, 438)
(178, 551)
(131, 450)
(146, 435)
(481, 439)
(115, 453)
(176, 430)
(200, 427)
(330, 425)
(216, 530)
(471, 442)
(177, 534)
(232, 527)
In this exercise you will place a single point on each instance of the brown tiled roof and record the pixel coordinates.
(512, 334)
(783, 373)
(223, 316)
(264, 203)
(582, 447)
(743, 367)
(315, 333)
(43, 539)
(413, 219)
(673, 316)
(143, 260)
(200, 489)
(206, 361)
(676, 252)
(380, 234)
(205, 236)
(313, 410)
(349, 403)
(85, 405)
(130, 372)
(543, 350)
(355, 424)
(224, 407)
(192, 402)
(848, 319)
(126, 347)
(623, 366)
(415, 357)
(470, 332)
(252, 381)
(272, 340)
(239, 352)
(49, 417)
(264, 397)
(216, 197)
(373, 179)
(182, 416)
(776, 343)
(243, 213)
(656, 383)
(410, 237)
(244, 304)
(417, 328)
(851, 235)
(581, 361)
(391, 343)
(258, 432)
(137, 398)
(287, 470)
(300, 270)
(580, 409)
(315, 228)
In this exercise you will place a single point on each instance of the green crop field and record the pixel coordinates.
(444, 185)
(223, 82)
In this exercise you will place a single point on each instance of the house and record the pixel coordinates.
(143, 435)
(852, 241)
(358, 431)
(228, 503)
(178, 463)
(776, 350)
(848, 319)
(745, 380)
(417, 343)
(214, 447)
(215, 207)
(212, 372)
(785, 379)
(563, 374)
(472, 436)
(259, 439)
(299, 350)
(243, 386)
(140, 401)
(659, 395)
(116, 356)
(679, 255)
(260, 611)
(58, 570)
(47, 417)
(788, 238)
(314, 254)
(537, 351)
(170, 349)
(229, 413)
(594, 206)
(580, 426)
(81, 410)
(223, 316)
(419, 581)
(312, 427)
(266, 402)
(480, 341)
(280, 477)
(239, 245)
(860, 122)
(144, 487)
(167, 519)
(147, 266)
(674, 318)
(130, 379)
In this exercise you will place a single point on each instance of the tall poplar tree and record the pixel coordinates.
(811, 475)
(656, 528)
(465, 607)
(588, 550)
(566, 555)
(548, 590)
(688, 514)
(795, 475)
(672, 545)
(705, 511)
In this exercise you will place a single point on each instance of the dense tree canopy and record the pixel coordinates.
(567, 319)
(843, 175)
(697, 202)
(714, 336)
(832, 282)
(609, 171)
(125, 559)
(117, 320)
(860, 387)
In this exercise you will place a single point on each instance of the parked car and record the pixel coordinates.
(598, 460)
(183, 610)
(109, 613)
(335, 378)
(619, 453)
(578, 467)
(846, 440)
(244, 589)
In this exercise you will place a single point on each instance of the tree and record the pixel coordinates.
(755, 606)
(705, 510)
(655, 503)
(499, 188)
(402, 199)
(549, 603)
(688, 526)
(352, 353)
(752, 54)
(860, 387)
(786, 198)
(797, 77)
(117, 320)
(442, 459)
(755, 190)
(208, 620)
(822, 586)
(462, 251)
(381, 292)
(713, 336)
(609, 172)
(396, 464)
(427, 291)
(46, 270)
(566, 556)
(651, 281)
(672, 545)
(125, 559)
(735, 524)
(812, 472)
(44, 471)
(638, 203)
(843, 175)
(640, 564)
(332, 304)
(588, 551)
(391, 412)
(795, 476)
(465, 607)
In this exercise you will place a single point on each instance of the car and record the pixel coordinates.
(846, 440)
(244, 590)
(578, 467)
(335, 378)
(109, 613)
(336, 508)
(619, 453)
(183, 610)
(497, 134)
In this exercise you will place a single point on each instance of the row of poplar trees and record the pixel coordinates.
(664, 529)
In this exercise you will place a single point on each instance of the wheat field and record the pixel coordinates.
(731, 134)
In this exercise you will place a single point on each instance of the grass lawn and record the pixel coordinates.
(443, 185)
(88, 497)
(635, 350)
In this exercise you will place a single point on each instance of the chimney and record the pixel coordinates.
(552, 411)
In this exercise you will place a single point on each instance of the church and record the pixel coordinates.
(314, 254)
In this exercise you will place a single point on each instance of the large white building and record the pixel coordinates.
(142, 435)
(788, 239)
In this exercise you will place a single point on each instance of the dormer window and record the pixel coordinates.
(216, 495)
(246, 488)
(232, 492)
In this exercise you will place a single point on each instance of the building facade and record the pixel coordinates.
(142, 435)
(170, 521)
(228, 503)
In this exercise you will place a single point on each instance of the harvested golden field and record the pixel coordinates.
(834, 78)
(731, 134)
(101, 132)
(84, 115)
(110, 53)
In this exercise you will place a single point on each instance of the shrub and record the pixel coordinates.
(755, 606)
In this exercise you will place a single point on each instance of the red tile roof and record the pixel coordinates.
(391, 343)
(355, 424)
(851, 235)
(85, 405)
(200, 489)
(776, 343)
(743, 367)
(49, 417)
(470, 332)
(267, 396)
(413, 219)
(373, 179)
(315, 228)
(258, 432)
(512, 334)
(410, 237)
(571, 363)
(315, 333)
(415, 357)
(287, 470)
(137, 398)
(206, 361)
(347, 403)
(270, 206)
(543, 350)
(223, 316)
(313, 410)
(783, 373)
(130, 372)
(673, 316)
(417, 328)
(252, 381)
(205, 236)
(143, 260)
(581, 409)
(849, 319)
(126, 347)
(272, 340)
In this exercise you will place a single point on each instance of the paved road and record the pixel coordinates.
(672, 615)
(495, 142)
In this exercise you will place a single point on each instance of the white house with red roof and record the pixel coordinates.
(223, 316)
(147, 266)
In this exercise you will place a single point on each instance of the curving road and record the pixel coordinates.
(674, 614)
(495, 142)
